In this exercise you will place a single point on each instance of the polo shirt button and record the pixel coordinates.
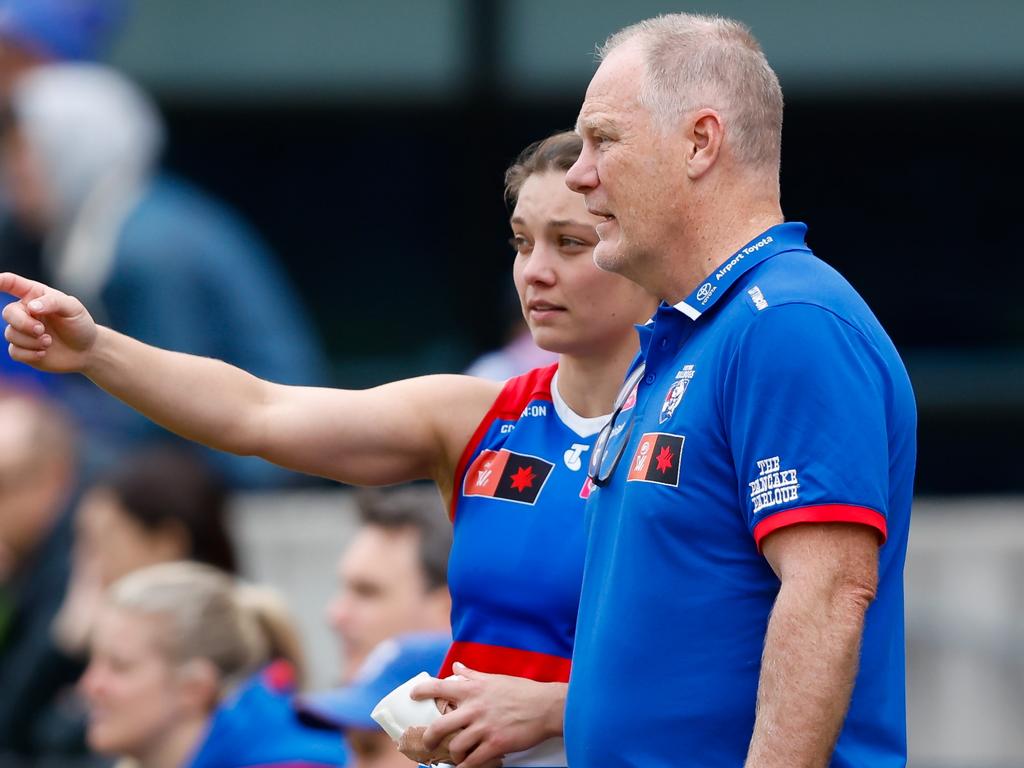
(664, 343)
(649, 378)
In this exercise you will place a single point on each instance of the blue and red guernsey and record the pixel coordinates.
(517, 559)
(771, 397)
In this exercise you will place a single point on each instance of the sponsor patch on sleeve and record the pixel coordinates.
(773, 485)
(657, 458)
(507, 475)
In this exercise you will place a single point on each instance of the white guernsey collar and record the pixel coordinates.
(581, 425)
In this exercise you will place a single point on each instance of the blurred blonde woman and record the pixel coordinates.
(190, 669)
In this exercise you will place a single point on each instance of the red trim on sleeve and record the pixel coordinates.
(822, 513)
(499, 660)
(507, 406)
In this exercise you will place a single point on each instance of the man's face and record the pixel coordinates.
(381, 591)
(630, 172)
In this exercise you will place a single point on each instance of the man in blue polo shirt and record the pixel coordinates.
(742, 598)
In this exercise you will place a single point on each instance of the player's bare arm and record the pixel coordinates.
(829, 575)
(401, 431)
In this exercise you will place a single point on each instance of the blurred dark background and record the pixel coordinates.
(367, 141)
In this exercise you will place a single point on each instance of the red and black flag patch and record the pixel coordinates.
(656, 459)
(506, 475)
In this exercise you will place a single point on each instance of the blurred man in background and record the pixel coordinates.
(348, 709)
(393, 575)
(37, 483)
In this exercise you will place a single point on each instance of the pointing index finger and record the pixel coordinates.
(16, 285)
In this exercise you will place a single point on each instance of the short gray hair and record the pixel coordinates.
(694, 61)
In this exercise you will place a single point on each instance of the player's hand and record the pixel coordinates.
(46, 329)
(493, 716)
(411, 745)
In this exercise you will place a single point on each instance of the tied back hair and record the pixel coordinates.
(207, 614)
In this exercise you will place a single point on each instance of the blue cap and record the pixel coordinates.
(389, 664)
(65, 30)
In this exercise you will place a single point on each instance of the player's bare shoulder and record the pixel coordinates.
(462, 402)
(458, 404)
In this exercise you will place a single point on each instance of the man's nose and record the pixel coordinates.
(582, 176)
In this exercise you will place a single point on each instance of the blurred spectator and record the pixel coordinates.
(148, 254)
(159, 506)
(35, 33)
(37, 482)
(190, 669)
(393, 576)
(519, 354)
(347, 709)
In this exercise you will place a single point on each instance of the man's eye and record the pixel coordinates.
(571, 242)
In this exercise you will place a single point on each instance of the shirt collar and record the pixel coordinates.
(781, 237)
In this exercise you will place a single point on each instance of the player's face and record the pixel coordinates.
(571, 305)
(381, 591)
(631, 173)
(129, 686)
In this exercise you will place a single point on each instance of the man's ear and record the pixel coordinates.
(704, 134)
(199, 685)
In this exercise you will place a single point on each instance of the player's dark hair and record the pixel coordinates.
(418, 507)
(555, 153)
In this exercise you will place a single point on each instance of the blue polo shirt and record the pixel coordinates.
(771, 396)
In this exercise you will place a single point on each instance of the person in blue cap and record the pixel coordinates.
(391, 663)
(36, 32)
